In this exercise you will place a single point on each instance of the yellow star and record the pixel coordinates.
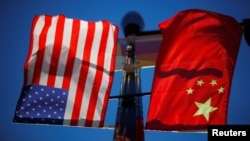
(221, 90)
(190, 91)
(213, 82)
(200, 82)
(204, 109)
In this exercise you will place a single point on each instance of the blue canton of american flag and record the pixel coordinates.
(41, 104)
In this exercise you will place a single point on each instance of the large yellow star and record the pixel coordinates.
(204, 109)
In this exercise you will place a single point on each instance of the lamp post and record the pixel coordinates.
(129, 121)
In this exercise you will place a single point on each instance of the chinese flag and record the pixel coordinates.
(193, 71)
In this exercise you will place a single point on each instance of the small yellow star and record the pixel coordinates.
(190, 91)
(200, 82)
(213, 82)
(221, 90)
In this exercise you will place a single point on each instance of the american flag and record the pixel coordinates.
(68, 73)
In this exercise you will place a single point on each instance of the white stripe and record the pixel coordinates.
(106, 73)
(64, 53)
(48, 51)
(92, 72)
(76, 72)
(31, 62)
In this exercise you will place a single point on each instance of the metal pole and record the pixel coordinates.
(129, 121)
(131, 95)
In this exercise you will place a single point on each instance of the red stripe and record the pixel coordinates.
(41, 49)
(26, 65)
(111, 76)
(72, 53)
(56, 51)
(83, 73)
(98, 77)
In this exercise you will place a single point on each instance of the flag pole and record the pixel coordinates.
(129, 121)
